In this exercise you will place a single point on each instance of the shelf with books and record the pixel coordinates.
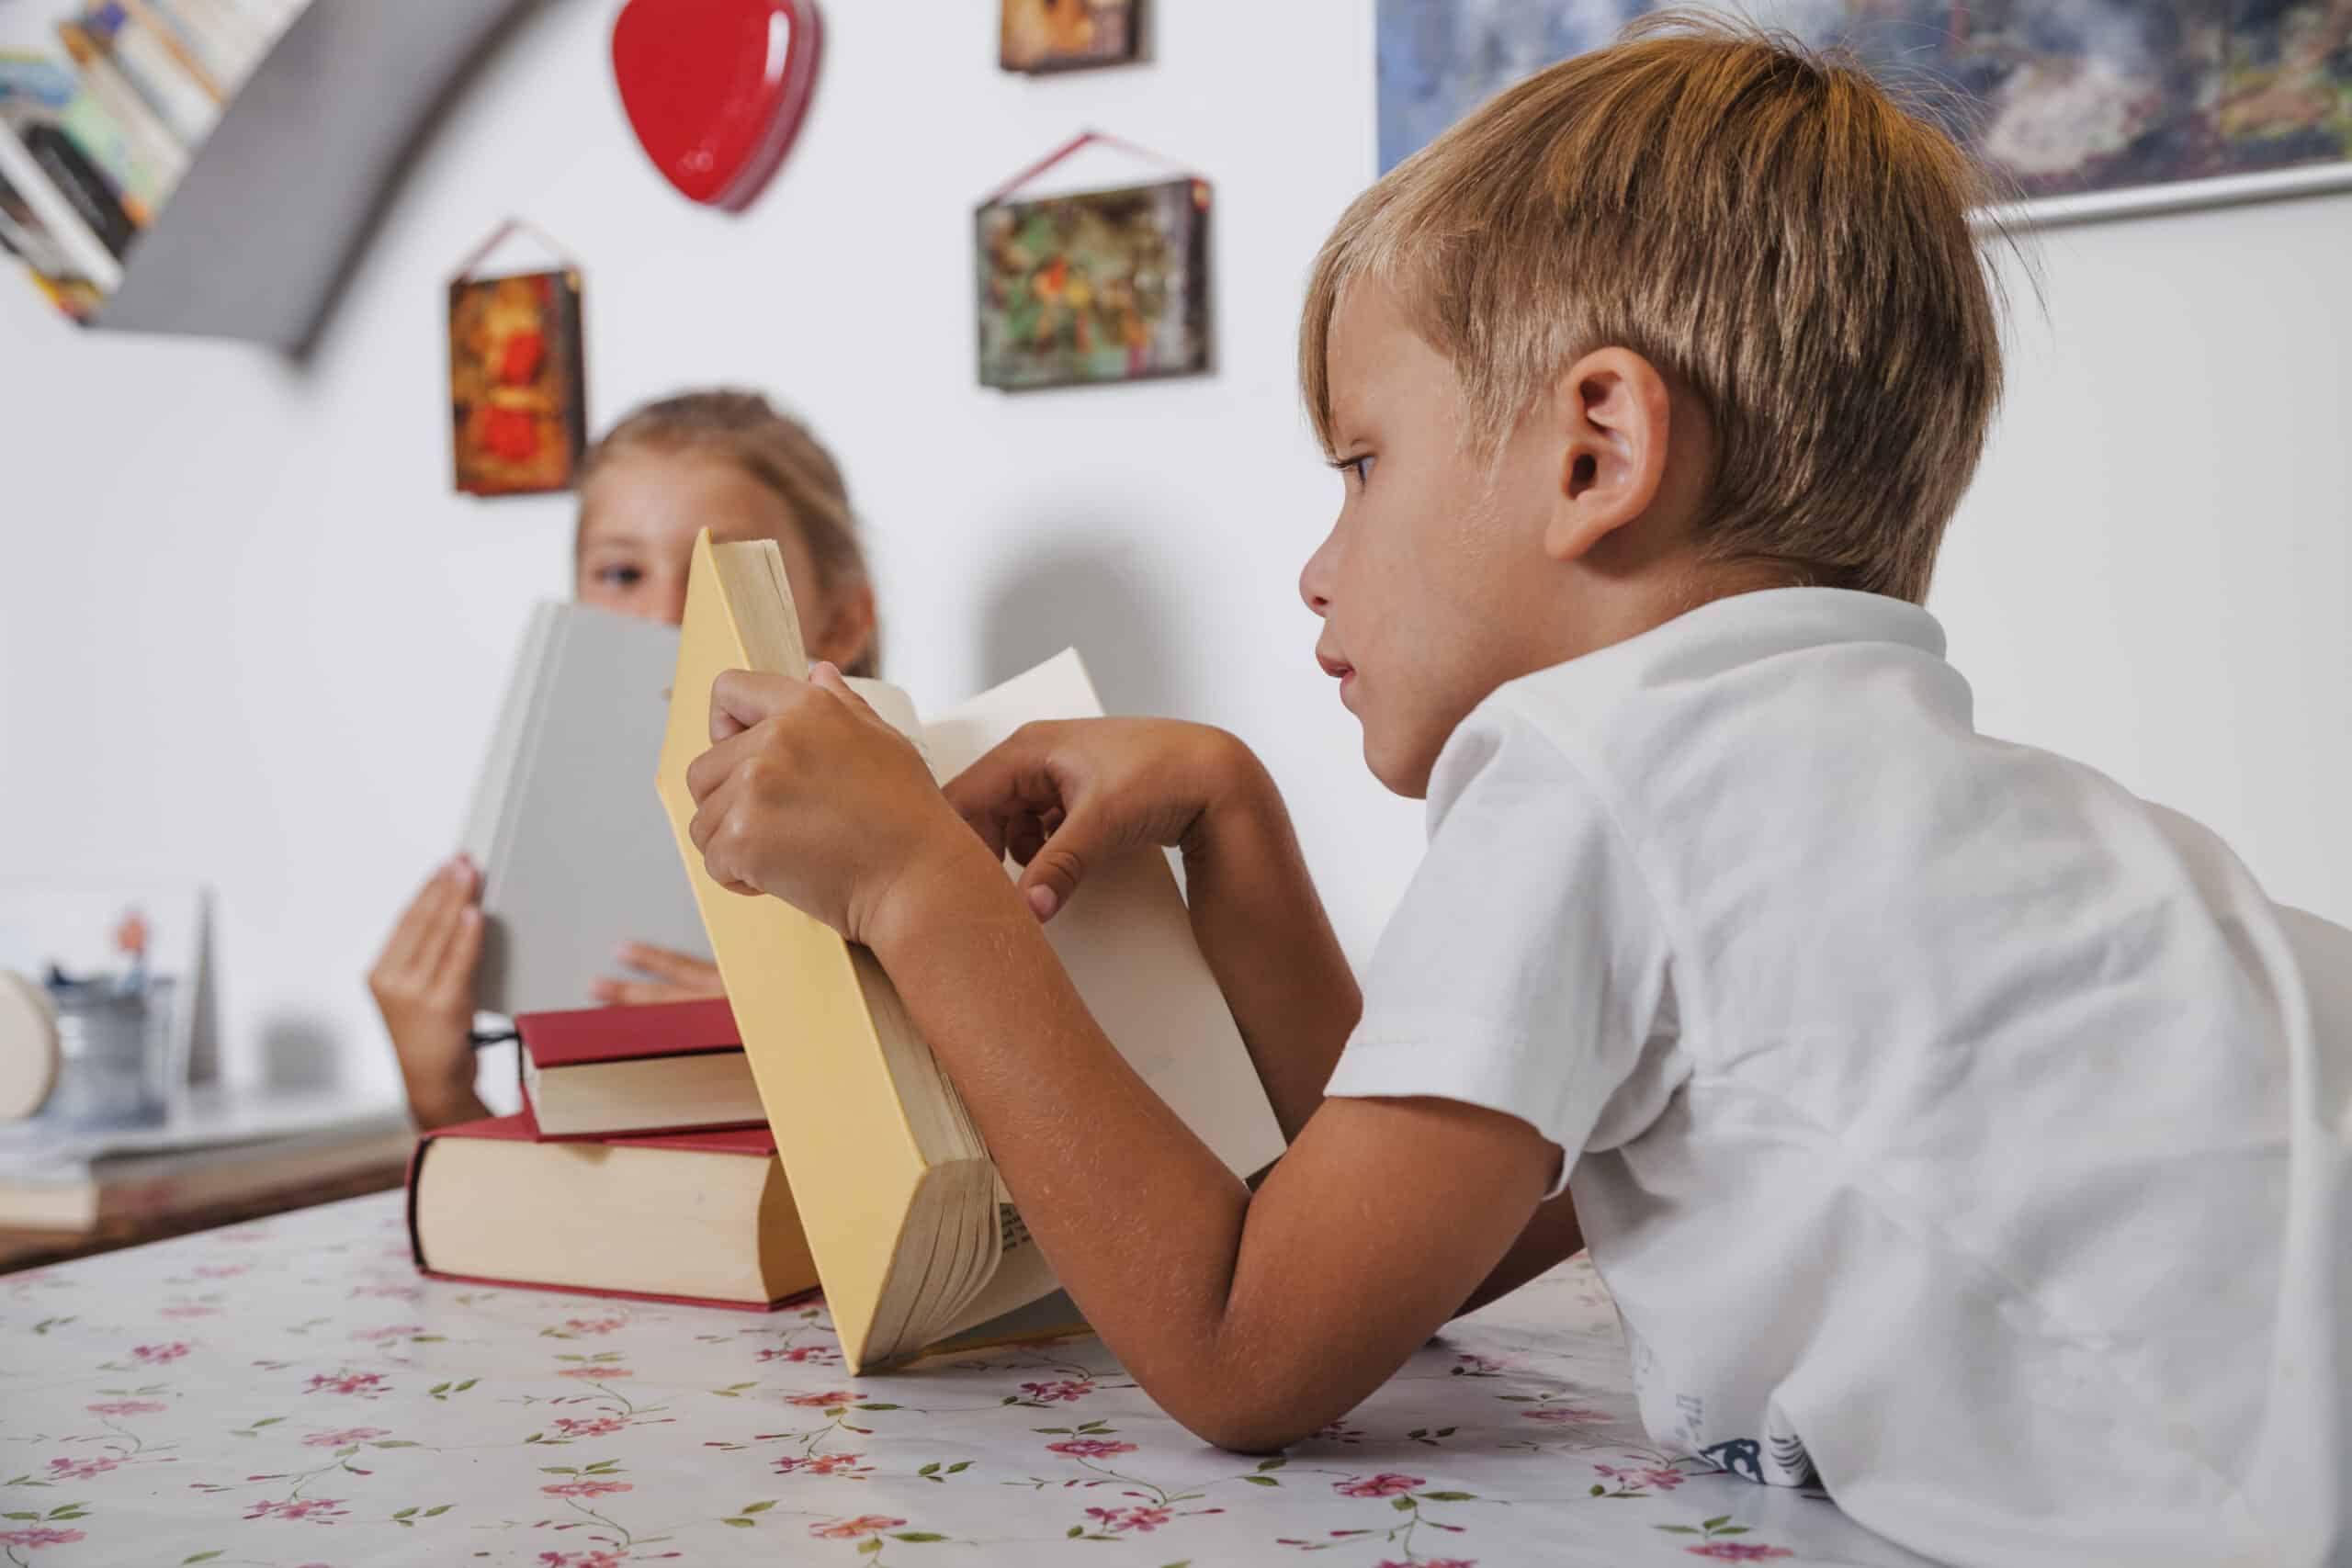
(210, 168)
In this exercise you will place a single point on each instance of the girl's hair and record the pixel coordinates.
(778, 450)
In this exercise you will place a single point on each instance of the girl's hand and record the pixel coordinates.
(424, 985)
(677, 977)
(809, 794)
(1063, 798)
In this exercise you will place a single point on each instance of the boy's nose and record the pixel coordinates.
(1314, 578)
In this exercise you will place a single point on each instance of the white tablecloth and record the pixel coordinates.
(293, 1394)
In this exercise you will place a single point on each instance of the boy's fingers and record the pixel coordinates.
(438, 916)
(707, 773)
(826, 675)
(1059, 865)
(1016, 778)
(740, 699)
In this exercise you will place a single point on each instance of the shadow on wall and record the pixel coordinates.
(1094, 595)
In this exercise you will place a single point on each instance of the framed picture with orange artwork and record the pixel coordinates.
(1034, 37)
(518, 388)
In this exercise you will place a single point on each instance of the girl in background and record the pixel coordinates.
(725, 460)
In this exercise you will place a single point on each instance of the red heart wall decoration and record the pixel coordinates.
(716, 88)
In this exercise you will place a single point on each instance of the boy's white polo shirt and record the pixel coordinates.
(1948, 1121)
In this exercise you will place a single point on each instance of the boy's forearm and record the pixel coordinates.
(1266, 938)
(976, 974)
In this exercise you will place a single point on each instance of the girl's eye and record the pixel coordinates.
(620, 575)
(1360, 467)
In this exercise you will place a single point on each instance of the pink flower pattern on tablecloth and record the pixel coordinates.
(824, 1464)
(41, 1535)
(683, 1434)
(824, 1401)
(1090, 1447)
(1145, 1518)
(317, 1510)
(850, 1530)
(347, 1436)
(586, 1487)
(367, 1386)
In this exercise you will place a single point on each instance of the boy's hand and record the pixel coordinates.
(1063, 798)
(424, 985)
(808, 795)
(677, 977)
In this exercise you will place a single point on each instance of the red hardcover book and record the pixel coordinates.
(702, 1218)
(599, 1072)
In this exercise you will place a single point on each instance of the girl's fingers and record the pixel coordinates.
(1052, 874)
(689, 975)
(642, 993)
(420, 924)
(455, 978)
(447, 930)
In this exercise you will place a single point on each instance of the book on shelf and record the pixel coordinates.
(155, 67)
(83, 147)
(700, 1217)
(53, 270)
(914, 1236)
(137, 118)
(582, 719)
(60, 218)
(607, 1072)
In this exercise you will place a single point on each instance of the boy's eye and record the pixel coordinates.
(620, 575)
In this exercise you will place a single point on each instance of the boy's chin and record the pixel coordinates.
(1401, 767)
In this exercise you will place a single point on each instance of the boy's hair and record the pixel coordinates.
(778, 450)
(1763, 224)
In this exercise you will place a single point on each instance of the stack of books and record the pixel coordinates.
(93, 142)
(800, 1133)
(640, 1166)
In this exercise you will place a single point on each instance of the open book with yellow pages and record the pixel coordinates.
(917, 1242)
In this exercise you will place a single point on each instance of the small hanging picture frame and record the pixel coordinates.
(517, 373)
(1095, 286)
(1037, 37)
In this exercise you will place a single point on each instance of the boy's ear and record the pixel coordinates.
(1614, 412)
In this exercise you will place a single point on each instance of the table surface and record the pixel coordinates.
(291, 1392)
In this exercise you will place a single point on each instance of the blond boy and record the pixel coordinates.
(1956, 1129)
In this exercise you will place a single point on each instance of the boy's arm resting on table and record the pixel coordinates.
(1253, 1319)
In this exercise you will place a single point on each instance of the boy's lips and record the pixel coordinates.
(1340, 670)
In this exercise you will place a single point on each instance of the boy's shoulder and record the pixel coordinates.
(1728, 662)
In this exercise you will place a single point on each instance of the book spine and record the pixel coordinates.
(113, 92)
(88, 252)
(151, 69)
(215, 34)
(144, 13)
(73, 170)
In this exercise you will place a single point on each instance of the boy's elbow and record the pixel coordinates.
(1254, 1419)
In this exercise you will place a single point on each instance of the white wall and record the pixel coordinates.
(250, 636)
